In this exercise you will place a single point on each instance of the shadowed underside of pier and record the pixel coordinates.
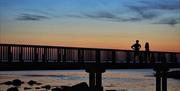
(78, 66)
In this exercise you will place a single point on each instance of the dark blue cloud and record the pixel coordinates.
(161, 4)
(154, 10)
(139, 10)
(169, 21)
(151, 10)
(142, 12)
(104, 15)
(31, 17)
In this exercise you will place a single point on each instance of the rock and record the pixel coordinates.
(80, 87)
(17, 82)
(13, 89)
(38, 88)
(38, 83)
(26, 88)
(31, 82)
(46, 87)
(7, 83)
(66, 88)
(56, 89)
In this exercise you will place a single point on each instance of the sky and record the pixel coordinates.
(114, 24)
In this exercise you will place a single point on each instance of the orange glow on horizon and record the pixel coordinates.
(122, 44)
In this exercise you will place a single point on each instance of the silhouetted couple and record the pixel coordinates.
(136, 47)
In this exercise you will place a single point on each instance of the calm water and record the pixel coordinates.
(121, 80)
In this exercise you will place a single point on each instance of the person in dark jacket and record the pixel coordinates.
(136, 47)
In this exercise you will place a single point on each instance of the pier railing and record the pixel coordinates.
(94, 60)
(60, 54)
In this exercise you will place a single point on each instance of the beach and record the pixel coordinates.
(120, 80)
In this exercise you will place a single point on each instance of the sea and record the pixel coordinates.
(119, 80)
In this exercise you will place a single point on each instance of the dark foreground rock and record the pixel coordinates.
(66, 88)
(80, 87)
(46, 87)
(17, 82)
(7, 83)
(37, 88)
(57, 89)
(27, 88)
(13, 89)
(31, 82)
(83, 86)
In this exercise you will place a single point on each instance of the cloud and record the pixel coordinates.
(169, 21)
(31, 17)
(163, 5)
(104, 15)
(151, 10)
(143, 12)
(156, 10)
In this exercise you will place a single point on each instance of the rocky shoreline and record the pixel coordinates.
(16, 84)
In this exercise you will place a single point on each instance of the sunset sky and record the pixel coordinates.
(92, 23)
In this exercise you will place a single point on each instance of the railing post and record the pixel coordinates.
(173, 58)
(164, 58)
(80, 55)
(98, 56)
(21, 54)
(152, 59)
(9, 54)
(141, 56)
(1, 53)
(44, 56)
(64, 55)
(35, 55)
(113, 56)
(59, 55)
(128, 59)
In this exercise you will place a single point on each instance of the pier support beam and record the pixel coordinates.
(95, 78)
(99, 79)
(161, 77)
(164, 79)
(158, 80)
(92, 80)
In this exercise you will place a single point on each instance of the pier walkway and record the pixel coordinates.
(94, 60)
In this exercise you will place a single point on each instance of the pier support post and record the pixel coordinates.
(164, 79)
(92, 79)
(158, 80)
(161, 77)
(95, 78)
(99, 79)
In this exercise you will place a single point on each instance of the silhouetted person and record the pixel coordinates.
(147, 47)
(147, 54)
(136, 47)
